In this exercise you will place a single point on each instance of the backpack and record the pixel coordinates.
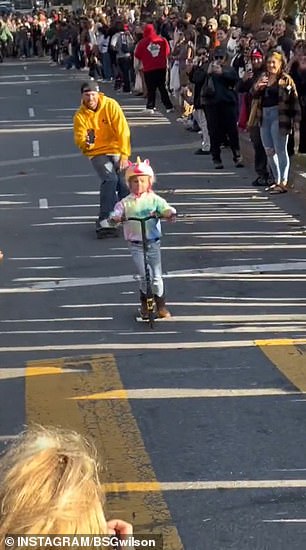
(125, 43)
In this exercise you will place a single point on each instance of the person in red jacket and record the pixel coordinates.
(153, 51)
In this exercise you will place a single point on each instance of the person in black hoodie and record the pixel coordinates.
(245, 85)
(219, 98)
(197, 73)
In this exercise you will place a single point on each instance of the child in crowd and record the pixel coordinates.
(140, 203)
(94, 65)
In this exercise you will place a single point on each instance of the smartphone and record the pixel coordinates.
(91, 136)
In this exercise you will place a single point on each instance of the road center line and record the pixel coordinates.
(28, 91)
(152, 486)
(118, 439)
(290, 361)
(31, 112)
(35, 148)
(43, 203)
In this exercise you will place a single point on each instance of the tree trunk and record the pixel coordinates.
(253, 13)
(242, 5)
(199, 7)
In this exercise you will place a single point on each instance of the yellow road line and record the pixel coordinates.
(185, 393)
(52, 399)
(289, 359)
(208, 485)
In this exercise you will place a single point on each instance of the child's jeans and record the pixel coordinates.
(154, 261)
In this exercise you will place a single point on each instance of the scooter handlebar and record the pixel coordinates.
(141, 219)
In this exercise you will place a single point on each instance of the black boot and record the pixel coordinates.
(143, 306)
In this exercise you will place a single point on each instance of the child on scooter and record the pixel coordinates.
(142, 202)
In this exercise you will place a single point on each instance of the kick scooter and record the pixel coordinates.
(149, 291)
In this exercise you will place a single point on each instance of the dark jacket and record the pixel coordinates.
(224, 88)
(197, 76)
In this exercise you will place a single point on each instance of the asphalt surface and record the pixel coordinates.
(216, 408)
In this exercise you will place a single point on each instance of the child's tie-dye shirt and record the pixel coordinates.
(134, 206)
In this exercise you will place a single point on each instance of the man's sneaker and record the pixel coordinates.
(105, 229)
(218, 164)
(105, 233)
(149, 111)
(171, 110)
(201, 152)
(260, 182)
(238, 162)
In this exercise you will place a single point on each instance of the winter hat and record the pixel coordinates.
(90, 86)
(139, 168)
(225, 19)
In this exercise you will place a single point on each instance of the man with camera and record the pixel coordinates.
(102, 133)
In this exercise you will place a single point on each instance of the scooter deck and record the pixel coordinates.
(140, 319)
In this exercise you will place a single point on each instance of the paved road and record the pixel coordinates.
(200, 423)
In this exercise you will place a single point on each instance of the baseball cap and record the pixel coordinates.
(262, 36)
(257, 53)
(90, 86)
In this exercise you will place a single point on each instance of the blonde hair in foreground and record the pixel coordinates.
(49, 484)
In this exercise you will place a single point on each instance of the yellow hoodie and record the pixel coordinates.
(112, 133)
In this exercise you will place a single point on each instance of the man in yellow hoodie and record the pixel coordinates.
(102, 133)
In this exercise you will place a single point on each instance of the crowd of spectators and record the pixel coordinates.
(212, 69)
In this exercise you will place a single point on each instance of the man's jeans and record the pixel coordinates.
(154, 261)
(113, 186)
(275, 144)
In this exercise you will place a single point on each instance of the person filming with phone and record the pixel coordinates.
(219, 98)
(102, 134)
(277, 111)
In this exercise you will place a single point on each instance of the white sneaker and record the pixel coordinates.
(104, 224)
(149, 111)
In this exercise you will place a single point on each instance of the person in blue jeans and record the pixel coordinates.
(140, 203)
(278, 111)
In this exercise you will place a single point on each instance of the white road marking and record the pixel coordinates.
(60, 320)
(256, 329)
(49, 331)
(43, 203)
(6, 373)
(160, 148)
(234, 318)
(28, 91)
(44, 267)
(286, 520)
(59, 223)
(31, 279)
(7, 203)
(26, 78)
(188, 393)
(38, 258)
(35, 148)
(206, 272)
(31, 112)
(299, 303)
(216, 344)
